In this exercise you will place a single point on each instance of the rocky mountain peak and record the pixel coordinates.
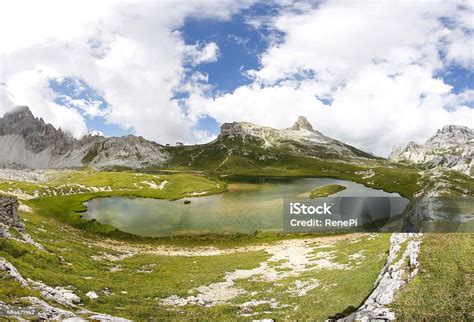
(454, 129)
(28, 141)
(396, 151)
(451, 147)
(302, 124)
(412, 145)
(34, 131)
(453, 132)
(19, 113)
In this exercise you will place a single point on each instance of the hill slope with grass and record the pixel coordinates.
(246, 145)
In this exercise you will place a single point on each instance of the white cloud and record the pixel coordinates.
(100, 133)
(200, 54)
(376, 61)
(129, 51)
(32, 86)
(460, 43)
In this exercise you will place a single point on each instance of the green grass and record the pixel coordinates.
(68, 208)
(444, 287)
(68, 263)
(326, 191)
(337, 294)
(246, 160)
(11, 289)
(78, 271)
(178, 185)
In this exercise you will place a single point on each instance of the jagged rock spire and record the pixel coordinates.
(302, 124)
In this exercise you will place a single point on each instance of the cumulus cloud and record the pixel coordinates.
(364, 73)
(129, 51)
(33, 86)
(367, 73)
(200, 54)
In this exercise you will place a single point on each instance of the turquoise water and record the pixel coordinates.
(250, 205)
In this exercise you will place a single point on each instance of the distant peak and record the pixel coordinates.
(453, 128)
(20, 110)
(412, 144)
(302, 124)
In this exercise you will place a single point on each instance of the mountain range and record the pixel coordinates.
(27, 141)
(450, 147)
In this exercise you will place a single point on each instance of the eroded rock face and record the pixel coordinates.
(9, 213)
(450, 147)
(27, 141)
(37, 134)
(129, 151)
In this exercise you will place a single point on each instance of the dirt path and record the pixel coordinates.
(126, 248)
(288, 258)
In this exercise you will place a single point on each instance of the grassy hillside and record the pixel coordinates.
(227, 153)
(133, 285)
(444, 287)
(133, 275)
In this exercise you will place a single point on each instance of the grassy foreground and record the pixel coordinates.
(443, 289)
(133, 286)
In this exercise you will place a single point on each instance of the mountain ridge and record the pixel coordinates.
(27, 141)
(452, 147)
(299, 138)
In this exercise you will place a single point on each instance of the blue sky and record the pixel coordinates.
(176, 71)
(69, 88)
(239, 44)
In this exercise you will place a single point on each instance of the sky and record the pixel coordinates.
(373, 74)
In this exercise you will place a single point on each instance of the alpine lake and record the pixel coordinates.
(249, 204)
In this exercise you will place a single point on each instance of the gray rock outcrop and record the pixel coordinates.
(58, 294)
(400, 268)
(9, 213)
(44, 311)
(7, 267)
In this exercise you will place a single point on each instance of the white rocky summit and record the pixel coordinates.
(451, 147)
(300, 138)
(302, 124)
